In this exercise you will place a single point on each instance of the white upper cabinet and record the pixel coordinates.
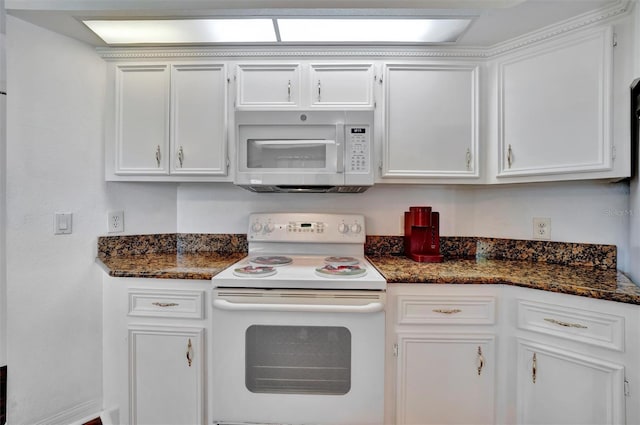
(169, 123)
(270, 86)
(199, 119)
(343, 85)
(430, 124)
(555, 107)
(142, 119)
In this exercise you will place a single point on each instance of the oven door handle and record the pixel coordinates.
(316, 308)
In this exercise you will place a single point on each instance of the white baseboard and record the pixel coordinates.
(74, 414)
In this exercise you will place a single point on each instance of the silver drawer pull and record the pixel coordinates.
(165, 304)
(447, 311)
(565, 324)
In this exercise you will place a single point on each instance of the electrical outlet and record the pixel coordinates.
(541, 228)
(115, 221)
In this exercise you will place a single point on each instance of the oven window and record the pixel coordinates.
(286, 154)
(298, 359)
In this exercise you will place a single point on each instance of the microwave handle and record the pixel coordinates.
(340, 149)
(318, 308)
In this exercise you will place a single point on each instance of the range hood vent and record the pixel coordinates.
(305, 189)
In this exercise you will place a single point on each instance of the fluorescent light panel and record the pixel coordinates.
(372, 30)
(181, 31)
(292, 30)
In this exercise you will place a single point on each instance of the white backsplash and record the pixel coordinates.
(589, 212)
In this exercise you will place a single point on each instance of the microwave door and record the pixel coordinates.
(294, 156)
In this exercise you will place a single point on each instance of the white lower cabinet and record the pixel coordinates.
(494, 354)
(557, 386)
(441, 366)
(445, 379)
(574, 359)
(166, 366)
(155, 368)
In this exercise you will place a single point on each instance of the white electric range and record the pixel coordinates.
(298, 325)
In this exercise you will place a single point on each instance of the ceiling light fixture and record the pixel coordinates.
(372, 30)
(275, 30)
(183, 31)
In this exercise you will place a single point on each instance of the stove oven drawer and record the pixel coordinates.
(166, 303)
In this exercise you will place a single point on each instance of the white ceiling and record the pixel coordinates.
(497, 20)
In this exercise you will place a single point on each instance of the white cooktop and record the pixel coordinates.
(317, 245)
(302, 273)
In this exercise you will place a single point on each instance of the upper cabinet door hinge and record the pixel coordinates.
(395, 350)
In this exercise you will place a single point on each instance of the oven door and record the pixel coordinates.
(294, 357)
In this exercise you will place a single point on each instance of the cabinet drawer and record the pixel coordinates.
(446, 310)
(166, 303)
(589, 327)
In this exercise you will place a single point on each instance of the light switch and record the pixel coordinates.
(62, 223)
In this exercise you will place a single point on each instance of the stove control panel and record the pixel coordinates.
(306, 227)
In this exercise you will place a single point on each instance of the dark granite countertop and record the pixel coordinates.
(580, 269)
(607, 284)
(203, 265)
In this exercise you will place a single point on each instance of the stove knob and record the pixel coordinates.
(269, 228)
(356, 228)
(343, 228)
(256, 227)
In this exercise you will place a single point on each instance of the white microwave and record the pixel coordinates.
(304, 151)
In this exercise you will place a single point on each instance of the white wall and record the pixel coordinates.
(3, 174)
(634, 238)
(55, 163)
(589, 212)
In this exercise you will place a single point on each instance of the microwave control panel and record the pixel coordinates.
(358, 149)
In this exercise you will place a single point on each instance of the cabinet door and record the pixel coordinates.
(445, 379)
(431, 121)
(199, 119)
(556, 386)
(341, 85)
(555, 108)
(166, 372)
(142, 119)
(272, 86)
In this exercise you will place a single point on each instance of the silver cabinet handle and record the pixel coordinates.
(189, 352)
(480, 361)
(318, 90)
(289, 91)
(565, 324)
(509, 156)
(468, 157)
(447, 311)
(158, 156)
(534, 368)
(159, 304)
(180, 156)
